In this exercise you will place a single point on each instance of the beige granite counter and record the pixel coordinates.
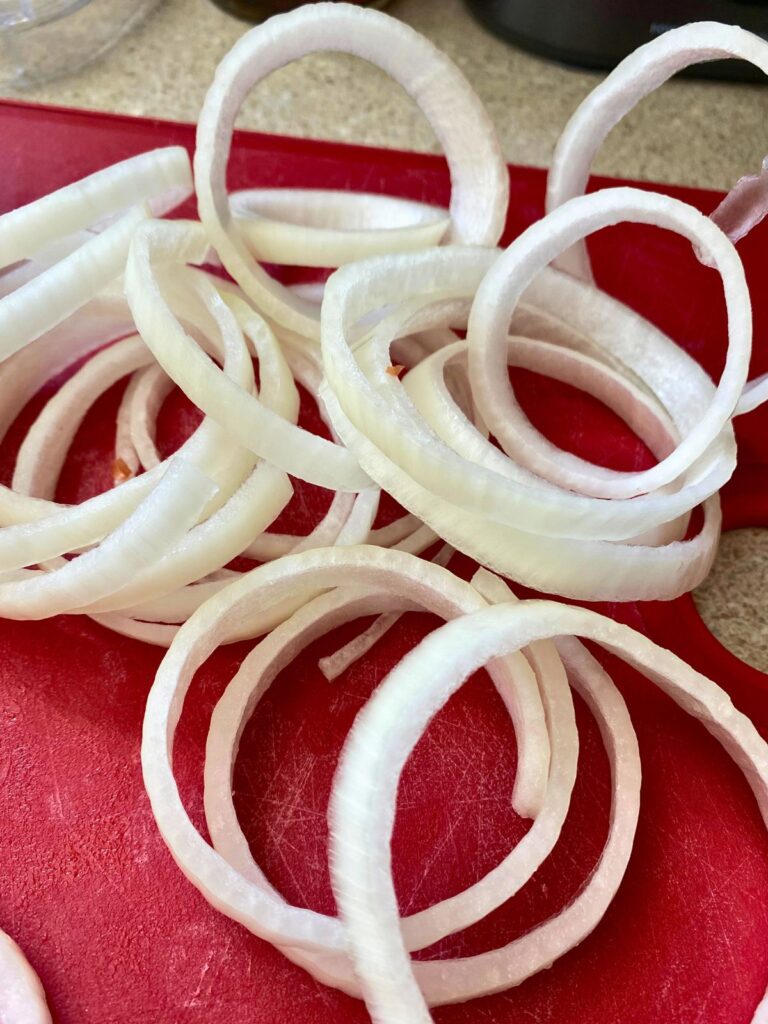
(692, 132)
(696, 133)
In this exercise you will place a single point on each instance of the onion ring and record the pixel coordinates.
(326, 228)
(231, 614)
(364, 797)
(293, 449)
(479, 177)
(38, 305)
(22, 1000)
(234, 893)
(505, 282)
(466, 502)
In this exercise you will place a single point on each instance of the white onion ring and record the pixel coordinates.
(334, 664)
(43, 451)
(478, 174)
(39, 305)
(446, 981)
(253, 679)
(293, 449)
(375, 406)
(55, 529)
(228, 615)
(456, 981)
(634, 78)
(136, 544)
(427, 387)
(327, 228)
(22, 1000)
(365, 792)
(137, 418)
(581, 567)
(502, 288)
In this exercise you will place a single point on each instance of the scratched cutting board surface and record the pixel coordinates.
(87, 887)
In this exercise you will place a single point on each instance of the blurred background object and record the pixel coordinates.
(701, 133)
(258, 10)
(599, 33)
(42, 39)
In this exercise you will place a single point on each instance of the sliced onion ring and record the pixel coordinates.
(231, 614)
(22, 1000)
(136, 544)
(458, 911)
(505, 283)
(378, 406)
(231, 892)
(478, 174)
(326, 228)
(559, 541)
(257, 428)
(162, 176)
(365, 792)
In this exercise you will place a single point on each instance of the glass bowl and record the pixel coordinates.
(43, 39)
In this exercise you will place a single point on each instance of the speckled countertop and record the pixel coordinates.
(696, 133)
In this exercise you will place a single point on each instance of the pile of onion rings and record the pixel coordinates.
(405, 352)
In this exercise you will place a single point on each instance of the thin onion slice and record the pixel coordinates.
(505, 283)
(22, 1000)
(365, 792)
(447, 981)
(232, 614)
(583, 570)
(249, 685)
(44, 529)
(478, 174)
(137, 544)
(43, 451)
(293, 449)
(334, 664)
(378, 406)
(327, 228)
(635, 77)
(137, 418)
(162, 175)
(260, 669)
(560, 542)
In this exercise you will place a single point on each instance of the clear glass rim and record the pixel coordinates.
(18, 15)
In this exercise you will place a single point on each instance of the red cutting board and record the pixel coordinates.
(87, 887)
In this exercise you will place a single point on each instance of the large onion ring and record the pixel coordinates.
(478, 174)
(505, 283)
(365, 792)
(466, 501)
(508, 877)
(234, 613)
